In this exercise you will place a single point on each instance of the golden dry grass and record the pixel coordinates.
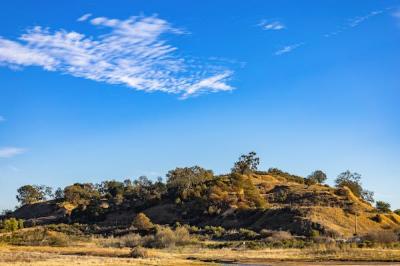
(61, 256)
(92, 255)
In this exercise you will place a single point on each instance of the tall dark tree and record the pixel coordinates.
(383, 207)
(247, 163)
(59, 194)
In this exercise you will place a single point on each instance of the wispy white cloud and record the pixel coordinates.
(356, 21)
(133, 52)
(8, 152)
(212, 84)
(15, 54)
(2, 119)
(288, 49)
(84, 17)
(271, 25)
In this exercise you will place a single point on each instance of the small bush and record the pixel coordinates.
(139, 252)
(142, 222)
(315, 234)
(214, 231)
(323, 240)
(277, 236)
(182, 236)
(12, 224)
(247, 234)
(164, 238)
(126, 241)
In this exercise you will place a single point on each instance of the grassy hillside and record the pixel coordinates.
(263, 200)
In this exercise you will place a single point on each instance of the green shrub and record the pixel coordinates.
(37, 237)
(314, 234)
(12, 224)
(247, 234)
(214, 231)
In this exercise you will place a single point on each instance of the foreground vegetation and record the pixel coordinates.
(189, 255)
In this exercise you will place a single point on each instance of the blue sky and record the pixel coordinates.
(91, 90)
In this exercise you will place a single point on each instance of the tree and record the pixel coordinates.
(246, 163)
(29, 194)
(353, 182)
(317, 177)
(113, 190)
(81, 194)
(397, 212)
(368, 196)
(383, 207)
(185, 181)
(142, 222)
(59, 194)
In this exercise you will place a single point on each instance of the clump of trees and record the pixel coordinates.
(353, 182)
(81, 194)
(188, 182)
(30, 194)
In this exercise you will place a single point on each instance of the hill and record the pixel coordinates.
(257, 201)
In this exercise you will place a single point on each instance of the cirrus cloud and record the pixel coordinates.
(271, 25)
(288, 48)
(132, 52)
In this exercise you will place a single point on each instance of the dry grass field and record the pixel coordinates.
(91, 255)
